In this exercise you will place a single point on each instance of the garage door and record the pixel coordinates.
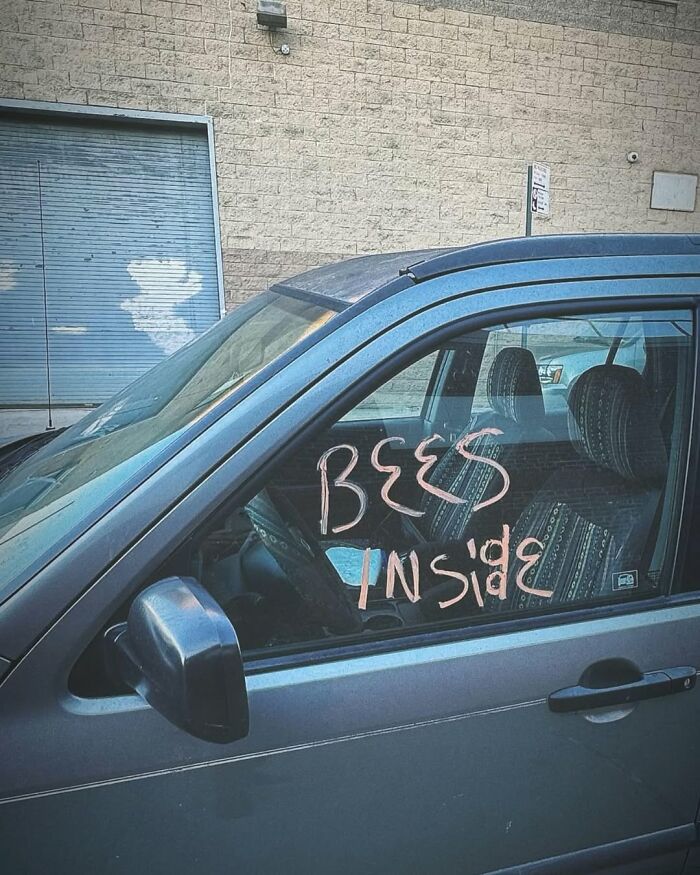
(108, 258)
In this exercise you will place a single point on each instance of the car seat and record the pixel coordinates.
(517, 409)
(595, 519)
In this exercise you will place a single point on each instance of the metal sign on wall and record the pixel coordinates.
(539, 191)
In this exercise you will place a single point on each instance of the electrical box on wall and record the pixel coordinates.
(272, 14)
(674, 191)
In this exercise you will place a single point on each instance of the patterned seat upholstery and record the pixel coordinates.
(517, 409)
(594, 519)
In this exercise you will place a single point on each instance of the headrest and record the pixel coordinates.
(513, 387)
(613, 422)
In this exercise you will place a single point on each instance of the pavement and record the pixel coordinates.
(16, 423)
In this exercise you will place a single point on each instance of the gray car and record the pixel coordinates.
(332, 589)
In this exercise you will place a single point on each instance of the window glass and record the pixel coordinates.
(544, 473)
(53, 492)
(581, 344)
(402, 396)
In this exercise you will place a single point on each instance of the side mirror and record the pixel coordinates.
(179, 651)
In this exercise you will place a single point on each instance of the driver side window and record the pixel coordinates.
(541, 471)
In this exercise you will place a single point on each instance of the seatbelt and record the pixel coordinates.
(615, 345)
(648, 522)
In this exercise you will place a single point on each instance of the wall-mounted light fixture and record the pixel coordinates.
(272, 14)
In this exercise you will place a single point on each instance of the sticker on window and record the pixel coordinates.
(624, 580)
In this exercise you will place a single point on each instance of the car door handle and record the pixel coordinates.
(650, 685)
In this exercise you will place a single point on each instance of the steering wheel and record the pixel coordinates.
(300, 556)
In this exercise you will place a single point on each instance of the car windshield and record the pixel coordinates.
(45, 499)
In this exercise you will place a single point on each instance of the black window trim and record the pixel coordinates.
(431, 637)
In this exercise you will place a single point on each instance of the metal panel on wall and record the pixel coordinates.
(108, 257)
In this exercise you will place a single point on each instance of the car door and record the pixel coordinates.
(434, 750)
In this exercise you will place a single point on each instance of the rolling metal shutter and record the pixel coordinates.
(108, 258)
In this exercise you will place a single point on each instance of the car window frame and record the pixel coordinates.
(315, 652)
(148, 537)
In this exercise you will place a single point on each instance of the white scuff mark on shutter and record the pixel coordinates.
(8, 274)
(150, 313)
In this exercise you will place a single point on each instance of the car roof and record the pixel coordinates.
(353, 278)
(346, 282)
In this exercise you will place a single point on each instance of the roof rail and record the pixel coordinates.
(554, 246)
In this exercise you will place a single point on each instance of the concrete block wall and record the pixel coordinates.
(389, 125)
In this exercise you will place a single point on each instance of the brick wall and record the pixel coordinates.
(389, 125)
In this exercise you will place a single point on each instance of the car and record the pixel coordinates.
(337, 587)
(558, 371)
